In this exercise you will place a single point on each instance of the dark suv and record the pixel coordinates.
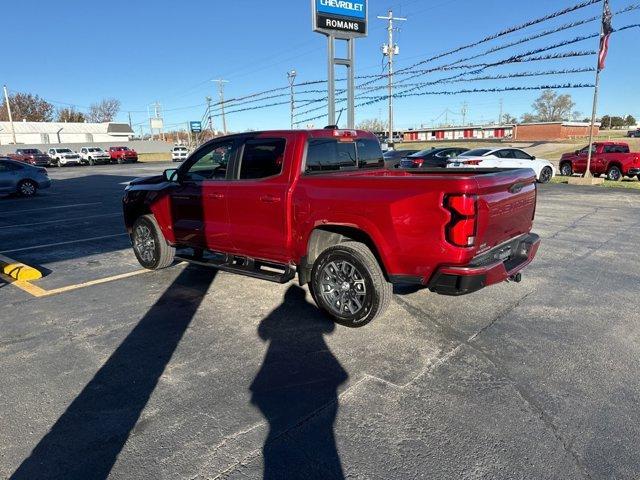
(432, 158)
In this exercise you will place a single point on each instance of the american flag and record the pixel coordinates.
(607, 30)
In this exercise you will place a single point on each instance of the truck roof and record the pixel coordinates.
(314, 133)
(611, 143)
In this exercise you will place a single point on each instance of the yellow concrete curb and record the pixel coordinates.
(17, 270)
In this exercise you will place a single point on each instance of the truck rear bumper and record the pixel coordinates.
(499, 264)
(633, 171)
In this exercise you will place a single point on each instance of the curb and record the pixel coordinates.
(17, 270)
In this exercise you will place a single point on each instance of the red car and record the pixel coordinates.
(611, 158)
(320, 205)
(32, 156)
(123, 155)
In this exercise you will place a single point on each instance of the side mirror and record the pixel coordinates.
(577, 152)
(171, 174)
(533, 157)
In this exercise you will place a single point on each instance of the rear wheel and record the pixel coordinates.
(545, 175)
(27, 188)
(614, 174)
(566, 169)
(149, 245)
(349, 285)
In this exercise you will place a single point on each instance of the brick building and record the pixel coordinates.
(552, 130)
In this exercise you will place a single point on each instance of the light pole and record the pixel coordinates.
(13, 131)
(292, 78)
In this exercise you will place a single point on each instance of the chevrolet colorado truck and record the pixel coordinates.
(614, 159)
(123, 154)
(320, 205)
(32, 156)
(94, 156)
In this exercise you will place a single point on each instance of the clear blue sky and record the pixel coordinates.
(140, 51)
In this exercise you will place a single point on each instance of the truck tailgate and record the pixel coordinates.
(506, 206)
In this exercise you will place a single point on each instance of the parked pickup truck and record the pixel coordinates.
(611, 158)
(123, 154)
(320, 204)
(32, 156)
(94, 156)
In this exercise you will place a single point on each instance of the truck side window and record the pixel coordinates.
(262, 158)
(369, 154)
(327, 154)
(211, 163)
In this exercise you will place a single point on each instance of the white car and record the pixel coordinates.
(63, 156)
(93, 156)
(179, 153)
(505, 158)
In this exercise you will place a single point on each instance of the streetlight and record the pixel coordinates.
(292, 78)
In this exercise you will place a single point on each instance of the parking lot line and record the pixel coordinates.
(16, 212)
(48, 222)
(81, 240)
(37, 291)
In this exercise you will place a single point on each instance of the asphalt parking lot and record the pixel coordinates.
(107, 371)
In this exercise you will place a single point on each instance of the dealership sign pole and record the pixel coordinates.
(341, 20)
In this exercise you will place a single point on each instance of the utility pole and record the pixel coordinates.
(292, 78)
(391, 50)
(221, 92)
(463, 112)
(130, 124)
(213, 131)
(13, 131)
(605, 7)
(500, 117)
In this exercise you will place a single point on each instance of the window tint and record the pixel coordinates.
(326, 154)
(478, 152)
(616, 149)
(211, 162)
(9, 167)
(505, 154)
(521, 155)
(262, 158)
(369, 153)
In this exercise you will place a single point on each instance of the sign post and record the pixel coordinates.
(341, 20)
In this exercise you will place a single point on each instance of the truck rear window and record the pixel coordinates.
(328, 154)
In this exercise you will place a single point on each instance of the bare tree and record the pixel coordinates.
(508, 119)
(104, 111)
(551, 107)
(373, 125)
(70, 114)
(29, 107)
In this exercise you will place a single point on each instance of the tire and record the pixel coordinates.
(27, 188)
(120, 161)
(566, 169)
(545, 175)
(58, 164)
(149, 245)
(614, 174)
(349, 286)
(92, 162)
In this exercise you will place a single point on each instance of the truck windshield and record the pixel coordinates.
(328, 154)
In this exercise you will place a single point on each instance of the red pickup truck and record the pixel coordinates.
(32, 156)
(123, 154)
(320, 204)
(611, 158)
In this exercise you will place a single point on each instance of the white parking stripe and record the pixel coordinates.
(60, 221)
(51, 208)
(64, 243)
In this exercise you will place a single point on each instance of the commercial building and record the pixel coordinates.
(48, 133)
(520, 132)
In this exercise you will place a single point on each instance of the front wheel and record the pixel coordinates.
(566, 169)
(349, 285)
(545, 175)
(149, 245)
(120, 161)
(92, 162)
(58, 164)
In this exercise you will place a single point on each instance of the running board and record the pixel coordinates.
(273, 272)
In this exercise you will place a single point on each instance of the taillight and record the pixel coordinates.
(461, 230)
(418, 162)
(472, 162)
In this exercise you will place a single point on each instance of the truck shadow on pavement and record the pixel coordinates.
(296, 389)
(85, 441)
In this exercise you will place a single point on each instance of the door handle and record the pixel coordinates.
(216, 195)
(270, 199)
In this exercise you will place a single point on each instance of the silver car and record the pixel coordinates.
(21, 178)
